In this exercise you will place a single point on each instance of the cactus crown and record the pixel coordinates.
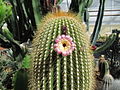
(52, 70)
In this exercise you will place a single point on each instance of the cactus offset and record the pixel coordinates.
(103, 67)
(53, 71)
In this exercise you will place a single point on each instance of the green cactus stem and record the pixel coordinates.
(103, 67)
(21, 80)
(54, 71)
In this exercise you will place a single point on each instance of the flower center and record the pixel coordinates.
(64, 45)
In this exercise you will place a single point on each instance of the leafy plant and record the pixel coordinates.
(5, 12)
(110, 40)
(13, 62)
(22, 22)
(26, 62)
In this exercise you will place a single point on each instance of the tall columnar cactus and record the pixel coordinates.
(61, 55)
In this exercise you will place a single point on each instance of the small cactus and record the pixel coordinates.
(107, 81)
(103, 67)
(105, 73)
(61, 64)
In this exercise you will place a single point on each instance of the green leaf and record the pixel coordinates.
(5, 12)
(60, 1)
(7, 33)
(26, 62)
(9, 36)
(37, 11)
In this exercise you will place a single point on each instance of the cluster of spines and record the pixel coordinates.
(55, 72)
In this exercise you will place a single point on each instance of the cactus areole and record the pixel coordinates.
(61, 59)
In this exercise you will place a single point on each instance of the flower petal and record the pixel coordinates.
(72, 48)
(63, 36)
(64, 53)
(59, 37)
(68, 38)
(58, 51)
(73, 44)
(70, 51)
(55, 45)
(57, 40)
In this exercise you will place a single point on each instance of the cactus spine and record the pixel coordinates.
(52, 71)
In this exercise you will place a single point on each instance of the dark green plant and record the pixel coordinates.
(37, 10)
(8, 68)
(26, 15)
(81, 7)
(5, 12)
(98, 23)
(47, 5)
(12, 60)
(22, 22)
(42, 7)
(21, 80)
(52, 71)
(109, 41)
(103, 67)
(102, 38)
(5, 34)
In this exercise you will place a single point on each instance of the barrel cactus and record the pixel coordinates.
(61, 59)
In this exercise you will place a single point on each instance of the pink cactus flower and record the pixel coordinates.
(64, 45)
(93, 47)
